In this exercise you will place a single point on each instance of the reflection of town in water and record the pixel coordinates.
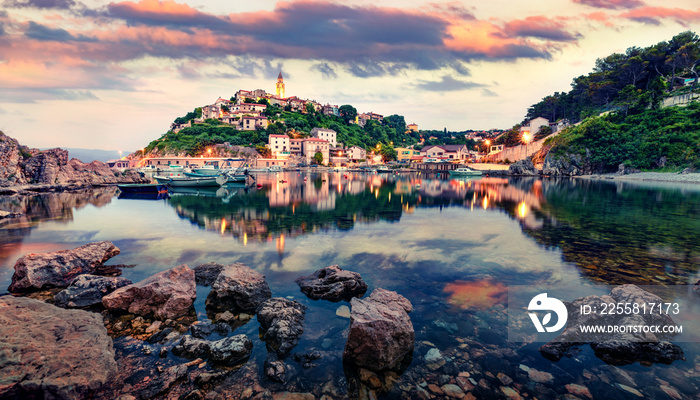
(292, 204)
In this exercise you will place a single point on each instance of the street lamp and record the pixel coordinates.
(526, 140)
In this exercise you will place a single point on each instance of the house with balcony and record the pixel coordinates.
(356, 153)
(406, 155)
(250, 123)
(446, 152)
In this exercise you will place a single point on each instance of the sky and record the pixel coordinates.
(114, 75)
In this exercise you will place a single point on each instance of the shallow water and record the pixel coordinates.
(452, 247)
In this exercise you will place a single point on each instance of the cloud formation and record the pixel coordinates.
(447, 84)
(540, 27)
(611, 4)
(47, 4)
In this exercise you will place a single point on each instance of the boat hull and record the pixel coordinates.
(142, 188)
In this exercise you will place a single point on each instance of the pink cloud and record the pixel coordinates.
(540, 27)
(654, 15)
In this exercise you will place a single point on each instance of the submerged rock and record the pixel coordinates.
(619, 348)
(49, 352)
(381, 333)
(231, 350)
(167, 294)
(58, 269)
(163, 382)
(88, 290)
(283, 322)
(238, 288)
(191, 347)
(332, 283)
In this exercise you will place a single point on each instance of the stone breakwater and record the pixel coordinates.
(23, 169)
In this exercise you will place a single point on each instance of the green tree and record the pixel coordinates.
(347, 112)
(388, 153)
(318, 158)
(397, 122)
(276, 128)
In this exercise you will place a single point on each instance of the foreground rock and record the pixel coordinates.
(567, 164)
(283, 322)
(381, 333)
(58, 269)
(238, 288)
(88, 290)
(49, 352)
(522, 167)
(332, 283)
(167, 294)
(618, 348)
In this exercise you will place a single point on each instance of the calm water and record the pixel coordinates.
(450, 246)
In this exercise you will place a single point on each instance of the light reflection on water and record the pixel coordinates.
(450, 246)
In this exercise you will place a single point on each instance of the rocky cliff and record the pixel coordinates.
(20, 165)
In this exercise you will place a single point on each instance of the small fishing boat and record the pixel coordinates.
(465, 171)
(185, 181)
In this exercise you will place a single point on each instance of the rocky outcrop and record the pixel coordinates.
(20, 165)
(58, 269)
(332, 283)
(167, 294)
(88, 290)
(230, 350)
(381, 333)
(522, 167)
(238, 288)
(567, 164)
(49, 352)
(206, 274)
(283, 323)
(618, 348)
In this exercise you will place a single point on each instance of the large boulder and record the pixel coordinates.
(238, 288)
(332, 283)
(567, 164)
(88, 290)
(618, 348)
(381, 333)
(167, 294)
(522, 167)
(206, 274)
(283, 323)
(48, 352)
(58, 269)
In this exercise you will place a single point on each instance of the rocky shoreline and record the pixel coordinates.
(70, 316)
(28, 171)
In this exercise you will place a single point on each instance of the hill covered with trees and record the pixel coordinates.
(618, 115)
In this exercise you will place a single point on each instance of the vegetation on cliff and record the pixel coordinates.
(664, 138)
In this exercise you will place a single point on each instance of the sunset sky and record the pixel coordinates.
(113, 75)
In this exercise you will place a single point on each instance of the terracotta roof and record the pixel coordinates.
(280, 136)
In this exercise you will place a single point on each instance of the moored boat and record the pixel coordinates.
(465, 171)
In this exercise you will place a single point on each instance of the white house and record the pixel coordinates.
(279, 145)
(325, 134)
(533, 126)
(446, 152)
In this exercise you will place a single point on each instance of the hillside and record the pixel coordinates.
(200, 137)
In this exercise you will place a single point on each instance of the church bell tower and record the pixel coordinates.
(280, 86)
